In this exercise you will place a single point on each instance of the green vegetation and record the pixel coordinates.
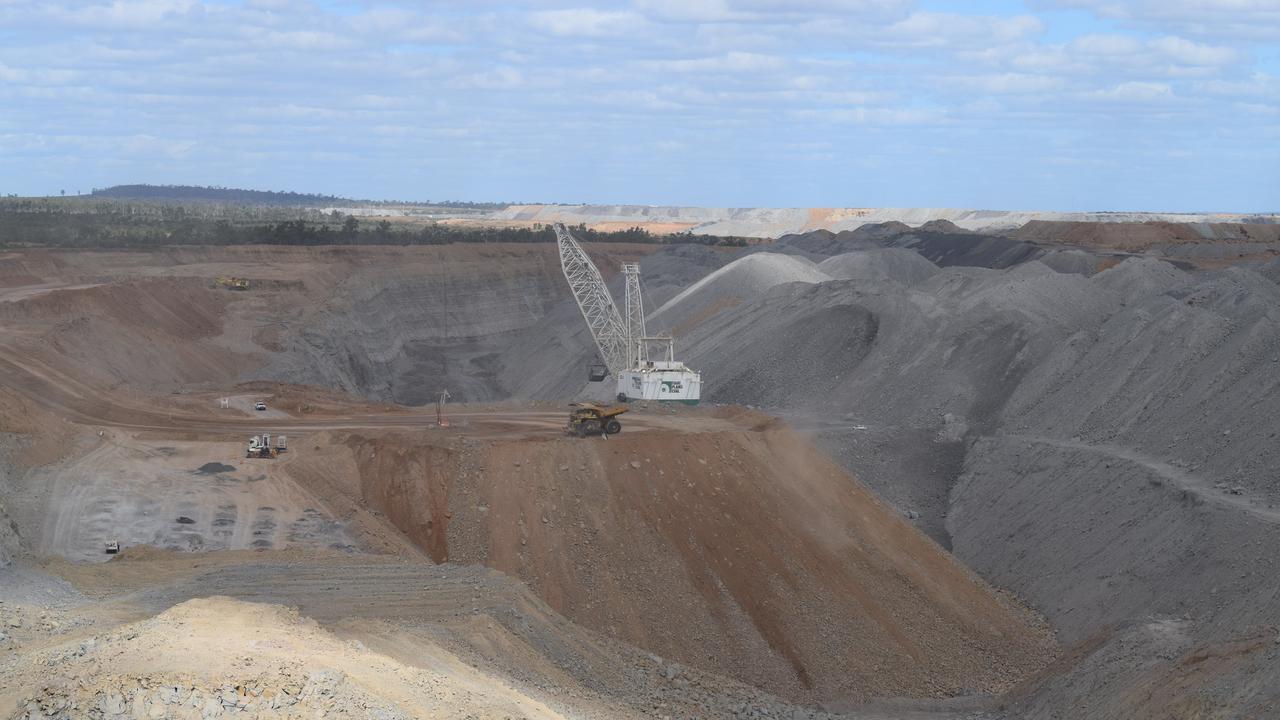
(267, 198)
(98, 222)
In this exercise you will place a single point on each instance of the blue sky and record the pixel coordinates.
(1039, 104)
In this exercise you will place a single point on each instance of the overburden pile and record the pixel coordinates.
(1098, 443)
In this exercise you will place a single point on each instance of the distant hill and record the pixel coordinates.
(238, 196)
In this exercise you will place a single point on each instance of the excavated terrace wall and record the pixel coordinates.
(449, 320)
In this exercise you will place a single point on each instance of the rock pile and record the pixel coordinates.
(283, 694)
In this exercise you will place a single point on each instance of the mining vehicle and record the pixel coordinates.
(260, 446)
(232, 283)
(113, 547)
(589, 419)
(623, 343)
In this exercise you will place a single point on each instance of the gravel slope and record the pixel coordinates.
(1115, 438)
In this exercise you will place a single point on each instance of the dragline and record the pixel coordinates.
(620, 338)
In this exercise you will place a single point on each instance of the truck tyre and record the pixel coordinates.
(622, 397)
(613, 427)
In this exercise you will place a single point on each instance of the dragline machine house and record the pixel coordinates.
(620, 338)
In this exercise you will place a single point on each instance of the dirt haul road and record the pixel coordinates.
(77, 401)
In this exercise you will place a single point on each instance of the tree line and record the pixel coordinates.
(240, 196)
(117, 226)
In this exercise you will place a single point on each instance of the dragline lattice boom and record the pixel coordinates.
(637, 347)
(623, 341)
(607, 326)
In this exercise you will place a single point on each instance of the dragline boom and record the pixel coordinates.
(607, 326)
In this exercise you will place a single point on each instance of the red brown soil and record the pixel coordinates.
(742, 551)
(1139, 236)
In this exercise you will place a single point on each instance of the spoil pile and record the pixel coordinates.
(746, 278)
(1113, 434)
(216, 657)
(897, 264)
(305, 637)
(734, 551)
(1137, 236)
(940, 242)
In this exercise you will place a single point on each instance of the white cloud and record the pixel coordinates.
(871, 116)
(768, 11)
(1107, 56)
(1257, 86)
(733, 62)
(464, 84)
(637, 100)
(585, 22)
(689, 10)
(1250, 20)
(931, 29)
(1134, 92)
(1187, 52)
(1170, 49)
(503, 77)
(1105, 45)
(1010, 83)
(399, 24)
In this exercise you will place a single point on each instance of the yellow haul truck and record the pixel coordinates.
(591, 419)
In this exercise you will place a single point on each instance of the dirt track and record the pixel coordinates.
(78, 401)
(1179, 479)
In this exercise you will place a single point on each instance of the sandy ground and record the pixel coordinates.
(179, 496)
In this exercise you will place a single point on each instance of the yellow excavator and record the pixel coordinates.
(591, 419)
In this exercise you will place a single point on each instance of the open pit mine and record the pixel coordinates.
(1019, 470)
